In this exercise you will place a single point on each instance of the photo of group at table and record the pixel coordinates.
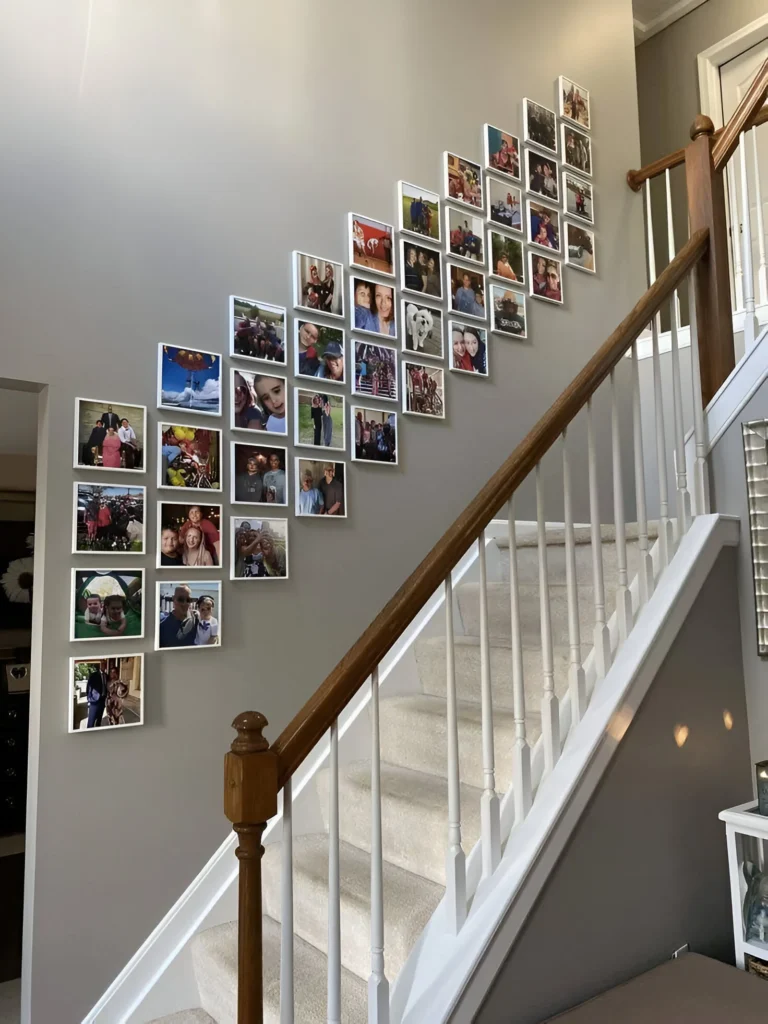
(259, 548)
(109, 518)
(106, 693)
(258, 475)
(188, 615)
(188, 535)
(109, 435)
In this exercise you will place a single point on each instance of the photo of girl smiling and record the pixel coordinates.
(259, 402)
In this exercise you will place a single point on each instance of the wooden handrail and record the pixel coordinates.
(742, 119)
(326, 704)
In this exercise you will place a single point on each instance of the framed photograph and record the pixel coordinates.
(420, 269)
(578, 198)
(545, 276)
(577, 149)
(107, 604)
(259, 474)
(573, 101)
(508, 311)
(466, 287)
(502, 152)
(465, 235)
(321, 488)
(259, 548)
(318, 285)
(506, 257)
(259, 401)
(539, 126)
(374, 436)
(371, 245)
(505, 204)
(188, 379)
(544, 226)
(109, 435)
(109, 518)
(257, 330)
(319, 419)
(541, 176)
(188, 615)
(106, 693)
(463, 180)
(423, 331)
(188, 536)
(375, 371)
(469, 348)
(188, 457)
(374, 307)
(423, 390)
(580, 248)
(319, 351)
(419, 211)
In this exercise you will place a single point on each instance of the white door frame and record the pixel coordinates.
(710, 61)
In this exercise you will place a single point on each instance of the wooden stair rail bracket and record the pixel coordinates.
(250, 800)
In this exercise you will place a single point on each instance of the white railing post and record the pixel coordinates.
(602, 636)
(748, 278)
(762, 272)
(577, 685)
(455, 861)
(671, 250)
(334, 885)
(738, 289)
(286, 910)
(378, 986)
(490, 823)
(646, 561)
(623, 596)
(522, 787)
(700, 475)
(550, 709)
(683, 497)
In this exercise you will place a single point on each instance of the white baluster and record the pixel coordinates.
(378, 986)
(286, 912)
(748, 278)
(650, 245)
(602, 636)
(550, 709)
(455, 861)
(646, 561)
(683, 497)
(577, 685)
(762, 272)
(738, 289)
(623, 596)
(700, 475)
(521, 763)
(334, 885)
(671, 250)
(490, 823)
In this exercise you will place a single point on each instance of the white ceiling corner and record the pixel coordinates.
(651, 16)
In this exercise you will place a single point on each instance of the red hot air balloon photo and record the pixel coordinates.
(189, 378)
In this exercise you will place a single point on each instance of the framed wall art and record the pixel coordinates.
(257, 330)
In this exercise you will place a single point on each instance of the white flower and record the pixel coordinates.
(17, 581)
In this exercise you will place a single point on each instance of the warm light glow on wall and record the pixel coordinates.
(680, 733)
(727, 719)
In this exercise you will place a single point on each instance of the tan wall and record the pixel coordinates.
(17, 472)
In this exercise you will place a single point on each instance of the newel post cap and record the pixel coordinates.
(702, 125)
(249, 726)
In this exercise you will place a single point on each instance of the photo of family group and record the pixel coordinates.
(546, 278)
(463, 180)
(109, 435)
(465, 235)
(541, 175)
(467, 291)
(423, 390)
(318, 285)
(375, 371)
(420, 269)
(319, 351)
(539, 126)
(374, 436)
(107, 604)
(419, 210)
(508, 311)
(370, 244)
(506, 257)
(374, 306)
(505, 205)
(502, 151)
(259, 402)
(577, 149)
(258, 475)
(423, 329)
(321, 488)
(543, 226)
(578, 198)
(469, 349)
(188, 535)
(106, 693)
(259, 549)
(574, 102)
(319, 419)
(188, 379)
(257, 330)
(580, 248)
(189, 457)
(188, 615)
(108, 518)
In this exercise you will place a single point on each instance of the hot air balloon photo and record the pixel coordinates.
(189, 378)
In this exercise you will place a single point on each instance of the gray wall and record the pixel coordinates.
(646, 869)
(157, 158)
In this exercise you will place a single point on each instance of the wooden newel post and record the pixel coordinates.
(706, 209)
(250, 800)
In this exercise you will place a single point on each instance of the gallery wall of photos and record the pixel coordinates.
(438, 291)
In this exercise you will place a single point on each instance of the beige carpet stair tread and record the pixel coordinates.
(527, 537)
(186, 1017)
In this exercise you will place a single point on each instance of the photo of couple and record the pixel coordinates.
(259, 549)
(106, 693)
(318, 285)
(259, 402)
(109, 435)
(508, 311)
(539, 126)
(109, 519)
(465, 235)
(423, 329)
(502, 152)
(374, 436)
(319, 351)
(423, 390)
(546, 278)
(107, 604)
(189, 457)
(374, 306)
(543, 226)
(577, 149)
(580, 248)
(188, 535)
(258, 475)
(188, 615)
(370, 245)
(419, 211)
(320, 488)
(467, 288)
(375, 371)
(463, 180)
(541, 175)
(578, 198)
(506, 257)
(469, 349)
(257, 330)
(319, 419)
(574, 102)
(505, 204)
(420, 269)
(189, 379)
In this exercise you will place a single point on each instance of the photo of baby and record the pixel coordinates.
(107, 604)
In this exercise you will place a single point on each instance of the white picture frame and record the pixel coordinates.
(297, 487)
(536, 138)
(338, 273)
(495, 187)
(298, 323)
(352, 257)
(233, 475)
(102, 638)
(233, 520)
(430, 311)
(245, 374)
(581, 171)
(431, 197)
(508, 175)
(161, 486)
(405, 364)
(430, 251)
(211, 587)
(561, 94)
(508, 239)
(521, 301)
(139, 656)
(476, 168)
(531, 156)
(463, 269)
(77, 464)
(478, 223)
(353, 409)
(266, 307)
(484, 340)
(186, 410)
(337, 400)
(355, 280)
(572, 259)
(588, 187)
(75, 506)
(182, 568)
(555, 215)
(533, 256)
(381, 349)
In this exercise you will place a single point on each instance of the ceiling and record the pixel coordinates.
(651, 16)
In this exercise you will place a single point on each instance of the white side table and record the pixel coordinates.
(746, 834)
